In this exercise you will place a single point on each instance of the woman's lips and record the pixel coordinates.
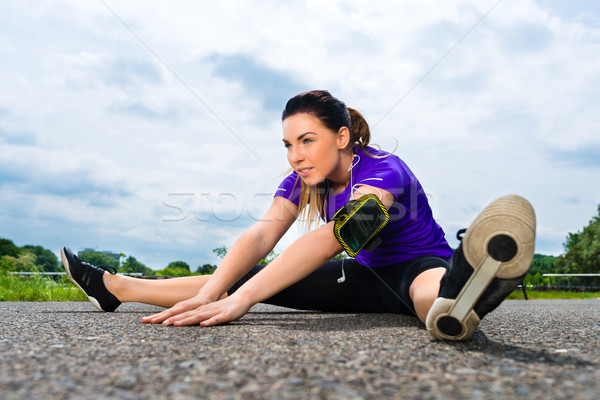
(304, 171)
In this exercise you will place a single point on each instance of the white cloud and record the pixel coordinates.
(101, 122)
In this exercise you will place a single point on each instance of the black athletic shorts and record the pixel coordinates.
(365, 289)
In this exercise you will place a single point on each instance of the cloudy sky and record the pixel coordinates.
(153, 128)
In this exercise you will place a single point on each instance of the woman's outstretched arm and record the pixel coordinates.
(303, 257)
(251, 247)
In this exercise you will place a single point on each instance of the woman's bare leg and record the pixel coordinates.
(160, 292)
(425, 289)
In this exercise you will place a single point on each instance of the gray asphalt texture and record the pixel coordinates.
(524, 349)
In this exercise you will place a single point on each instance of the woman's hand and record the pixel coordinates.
(183, 306)
(215, 313)
(220, 312)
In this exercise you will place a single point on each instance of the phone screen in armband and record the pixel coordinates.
(358, 222)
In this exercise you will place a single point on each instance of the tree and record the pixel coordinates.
(179, 264)
(582, 250)
(24, 262)
(175, 268)
(130, 264)
(220, 252)
(173, 272)
(542, 264)
(8, 248)
(98, 258)
(28, 258)
(206, 269)
(45, 258)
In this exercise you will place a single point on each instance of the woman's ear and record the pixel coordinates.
(343, 138)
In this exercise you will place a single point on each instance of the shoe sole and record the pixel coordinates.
(498, 244)
(68, 270)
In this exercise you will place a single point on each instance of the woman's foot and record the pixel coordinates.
(89, 279)
(491, 261)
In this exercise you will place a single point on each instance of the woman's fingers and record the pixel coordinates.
(215, 320)
(211, 314)
(183, 314)
(160, 317)
(155, 318)
(197, 316)
(191, 318)
(163, 316)
(150, 318)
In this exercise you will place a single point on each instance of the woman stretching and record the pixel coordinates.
(375, 209)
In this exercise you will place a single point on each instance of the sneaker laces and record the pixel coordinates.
(109, 268)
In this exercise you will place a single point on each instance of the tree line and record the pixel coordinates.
(31, 258)
(581, 255)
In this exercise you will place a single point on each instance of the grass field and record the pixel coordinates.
(553, 295)
(37, 288)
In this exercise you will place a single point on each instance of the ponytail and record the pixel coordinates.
(360, 134)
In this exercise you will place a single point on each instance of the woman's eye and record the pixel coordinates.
(287, 145)
(306, 141)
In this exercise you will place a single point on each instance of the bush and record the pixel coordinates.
(45, 259)
(536, 280)
(174, 272)
(25, 262)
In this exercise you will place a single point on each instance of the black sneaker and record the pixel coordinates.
(88, 278)
(491, 261)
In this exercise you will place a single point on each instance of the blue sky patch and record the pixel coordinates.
(586, 157)
(273, 87)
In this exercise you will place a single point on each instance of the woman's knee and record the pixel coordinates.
(424, 289)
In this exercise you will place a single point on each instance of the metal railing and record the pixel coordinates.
(64, 273)
(134, 274)
(570, 274)
(577, 276)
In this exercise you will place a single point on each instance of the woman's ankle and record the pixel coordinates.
(114, 284)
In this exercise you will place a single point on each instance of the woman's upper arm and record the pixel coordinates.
(386, 197)
(277, 220)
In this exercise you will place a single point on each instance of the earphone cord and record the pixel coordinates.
(352, 165)
(342, 279)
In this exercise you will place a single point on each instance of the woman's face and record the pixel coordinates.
(313, 150)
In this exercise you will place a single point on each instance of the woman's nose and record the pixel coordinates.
(296, 154)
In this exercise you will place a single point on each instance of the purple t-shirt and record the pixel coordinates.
(411, 231)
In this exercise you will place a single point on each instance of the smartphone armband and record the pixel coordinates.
(358, 223)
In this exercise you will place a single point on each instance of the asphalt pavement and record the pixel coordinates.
(525, 349)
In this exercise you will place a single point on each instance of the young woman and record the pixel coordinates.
(412, 270)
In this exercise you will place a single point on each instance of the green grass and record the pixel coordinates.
(553, 295)
(38, 288)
